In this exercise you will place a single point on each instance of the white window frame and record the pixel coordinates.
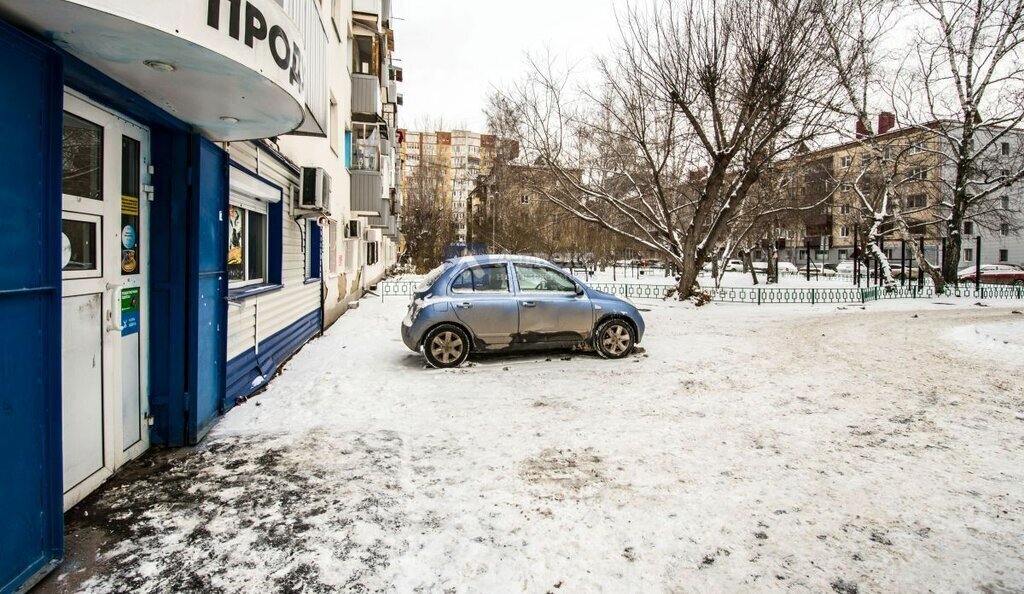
(252, 195)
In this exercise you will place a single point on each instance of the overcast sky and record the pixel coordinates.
(453, 51)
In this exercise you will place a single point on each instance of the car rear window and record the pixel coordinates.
(489, 278)
(431, 277)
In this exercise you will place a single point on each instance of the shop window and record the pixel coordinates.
(82, 158)
(254, 231)
(247, 245)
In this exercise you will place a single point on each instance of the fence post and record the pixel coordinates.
(759, 296)
(812, 296)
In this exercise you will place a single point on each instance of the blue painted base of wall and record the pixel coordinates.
(244, 369)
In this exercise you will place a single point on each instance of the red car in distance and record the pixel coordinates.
(995, 274)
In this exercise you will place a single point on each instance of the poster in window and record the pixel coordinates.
(129, 235)
(236, 232)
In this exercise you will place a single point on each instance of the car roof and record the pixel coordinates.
(498, 259)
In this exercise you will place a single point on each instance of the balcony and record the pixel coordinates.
(378, 8)
(367, 197)
(366, 94)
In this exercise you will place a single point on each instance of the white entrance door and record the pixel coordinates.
(105, 267)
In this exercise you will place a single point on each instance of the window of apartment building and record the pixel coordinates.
(844, 209)
(846, 161)
(332, 124)
(888, 253)
(332, 249)
(313, 249)
(844, 231)
(1004, 229)
(336, 18)
(915, 148)
(865, 159)
(968, 228)
(968, 255)
(843, 254)
(917, 201)
(524, 199)
(846, 187)
(1004, 255)
(253, 204)
(364, 60)
(802, 255)
(1004, 149)
(1005, 202)
(365, 147)
(917, 173)
(371, 252)
(348, 149)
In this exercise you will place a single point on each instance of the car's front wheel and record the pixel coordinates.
(446, 346)
(614, 339)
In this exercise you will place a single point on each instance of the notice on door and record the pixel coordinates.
(129, 235)
(130, 310)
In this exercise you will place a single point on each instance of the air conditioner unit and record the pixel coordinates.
(372, 235)
(316, 190)
(352, 229)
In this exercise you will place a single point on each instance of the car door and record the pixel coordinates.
(483, 301)
(550, 310)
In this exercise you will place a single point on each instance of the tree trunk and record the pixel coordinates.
(748, 263)
(687, 284)
(773, 264)
(954, 245)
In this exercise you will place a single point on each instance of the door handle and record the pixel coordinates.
(464, 305)
(529, 304)
(114, 315)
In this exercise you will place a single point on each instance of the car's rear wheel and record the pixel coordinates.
(446, 346)
(1018, 283)
(614, 339)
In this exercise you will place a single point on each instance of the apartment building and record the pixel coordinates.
(830, 178)
(183, 207)
(461, 156)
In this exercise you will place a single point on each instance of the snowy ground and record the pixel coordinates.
(791, 448)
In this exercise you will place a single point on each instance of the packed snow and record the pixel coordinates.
(792, 448)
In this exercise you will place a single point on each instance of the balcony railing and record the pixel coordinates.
(365, 94)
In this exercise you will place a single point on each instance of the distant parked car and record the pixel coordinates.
(734, 266)
(760, 266)
(845, 267)
(818, 269)
(787, 267)
(495, 303)
(995, 274)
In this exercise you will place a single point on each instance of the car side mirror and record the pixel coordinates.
(579, 291)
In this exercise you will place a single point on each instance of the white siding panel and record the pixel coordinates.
(257, 318)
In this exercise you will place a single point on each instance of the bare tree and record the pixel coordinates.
(428, 224)
(693, 106)
(968, 80)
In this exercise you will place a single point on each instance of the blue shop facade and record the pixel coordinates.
(118, 184)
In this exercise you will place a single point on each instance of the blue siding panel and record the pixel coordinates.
(247, 367)
(31, 486)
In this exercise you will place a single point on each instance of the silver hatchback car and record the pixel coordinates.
(494, 303)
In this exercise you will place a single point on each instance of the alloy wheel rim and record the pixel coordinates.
(446, 347)
(615, 339)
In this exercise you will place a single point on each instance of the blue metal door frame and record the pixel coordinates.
(31, 495)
